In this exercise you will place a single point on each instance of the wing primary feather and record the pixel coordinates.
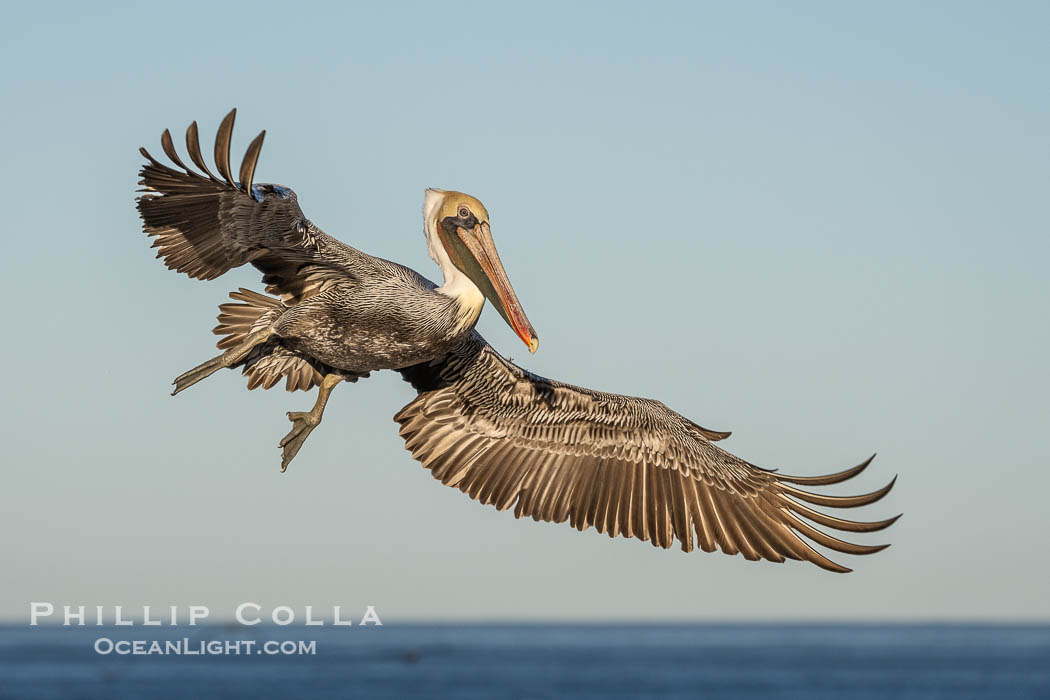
(756, 522)
(516, 469)
(193, 146)
(664, 506)
(652, 488)
(783, 539)
(222, 147)
(619, 496)
(839, 501)
(827, 478)
(630, 501)
(701, 523)
(603, 496)
(825, 540)
(732, 522)
(464, 476)
(640, 503)
(169, 149)
(556, 506)
(498, 459)
(159, 166)
(839, 523)
(536, 490)
(540, 500)
(588, 490)
(726, 538)
(809, 554)
(443, 469)
(491, 475)
(679, 511)
(251, 158)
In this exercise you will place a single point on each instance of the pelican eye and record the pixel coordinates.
(464, 212)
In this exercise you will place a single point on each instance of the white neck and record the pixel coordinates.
(456, 284)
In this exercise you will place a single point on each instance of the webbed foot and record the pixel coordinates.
(227, 359)
(201, 371)
(303, 423)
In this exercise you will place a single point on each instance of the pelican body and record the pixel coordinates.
(506, 437)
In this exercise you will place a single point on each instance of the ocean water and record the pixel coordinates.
(541, 661)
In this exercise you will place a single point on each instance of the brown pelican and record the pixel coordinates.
(506, 437)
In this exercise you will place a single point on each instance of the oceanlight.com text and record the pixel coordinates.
(214, 647)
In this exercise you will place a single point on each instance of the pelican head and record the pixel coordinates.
(460, 240)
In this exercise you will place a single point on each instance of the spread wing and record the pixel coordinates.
(627, 466)
(204, 225)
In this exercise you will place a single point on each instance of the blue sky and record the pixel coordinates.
(822, 226)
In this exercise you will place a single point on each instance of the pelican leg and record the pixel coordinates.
(227, 359)
(304, 422)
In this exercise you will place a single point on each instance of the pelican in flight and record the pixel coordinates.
(627, 466)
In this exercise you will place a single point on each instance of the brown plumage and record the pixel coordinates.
(626, 466)
(267, 364)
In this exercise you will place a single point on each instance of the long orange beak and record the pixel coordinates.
(494, 283)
